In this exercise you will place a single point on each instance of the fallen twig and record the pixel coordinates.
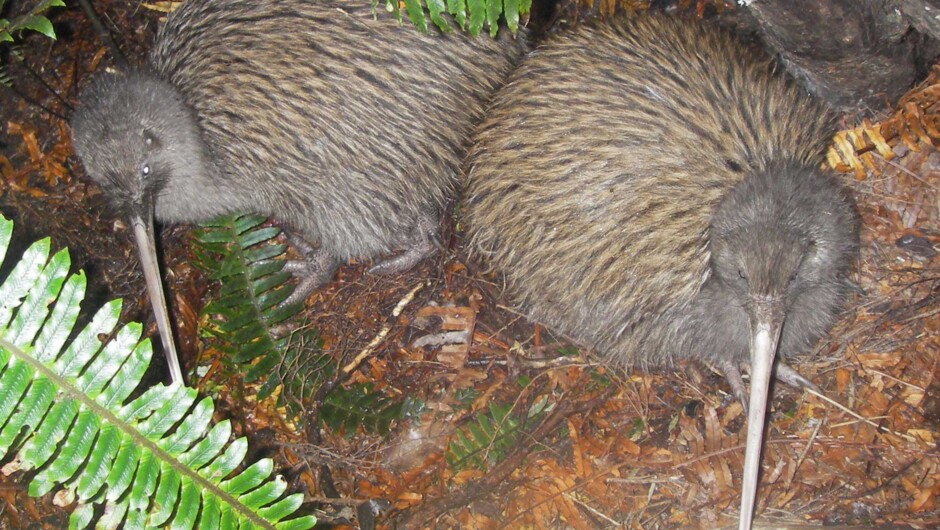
(380, 336)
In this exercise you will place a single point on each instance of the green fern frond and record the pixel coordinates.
(347, 408)
(483, 441)
(5, 79)
(490, 436)
(470, 15)
(240, 253)
(64, 417)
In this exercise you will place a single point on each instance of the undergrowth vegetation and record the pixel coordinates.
(68, 419)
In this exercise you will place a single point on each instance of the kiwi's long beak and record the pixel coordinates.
(144, 234)
(766, 324)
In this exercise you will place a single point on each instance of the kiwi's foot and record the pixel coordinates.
(313, 270)
(422, 243)
(782, 372)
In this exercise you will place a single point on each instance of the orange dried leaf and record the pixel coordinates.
(877, 360)
(467, 475)
(367, 489)
(923, 500)
(914, 118)
(712, 430)
(6, 168)
(843, 377)
(576, 448)
(410, 497)
(923, 434)
(912, 396)
(630, 448)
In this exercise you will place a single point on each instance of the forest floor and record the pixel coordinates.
(589, 448)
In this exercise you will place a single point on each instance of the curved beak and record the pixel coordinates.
(146, 246)
(766, 323)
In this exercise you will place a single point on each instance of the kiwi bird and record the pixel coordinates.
(652, 189)
(331, 118)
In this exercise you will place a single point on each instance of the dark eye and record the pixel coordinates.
(145, 170)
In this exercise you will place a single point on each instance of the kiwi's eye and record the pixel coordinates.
(145, 170)
(742, 275)
(149, 139)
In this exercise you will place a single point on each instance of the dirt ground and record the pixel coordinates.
(597, 449)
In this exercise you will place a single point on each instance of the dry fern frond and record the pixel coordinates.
(608, 8)
(914, 123)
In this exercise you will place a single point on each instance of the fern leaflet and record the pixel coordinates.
(470, 15)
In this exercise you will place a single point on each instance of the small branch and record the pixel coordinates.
(891, 478)
(850, 412)
(535, 364)
(373, 344)
(594, 511)
(33, 102)
(836, 442)
(334, 502)
(104, 34)
(805, 451)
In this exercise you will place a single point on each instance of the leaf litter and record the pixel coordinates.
(604, 450)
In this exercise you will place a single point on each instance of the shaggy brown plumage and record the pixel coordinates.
(338, 121)
(641, 183)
